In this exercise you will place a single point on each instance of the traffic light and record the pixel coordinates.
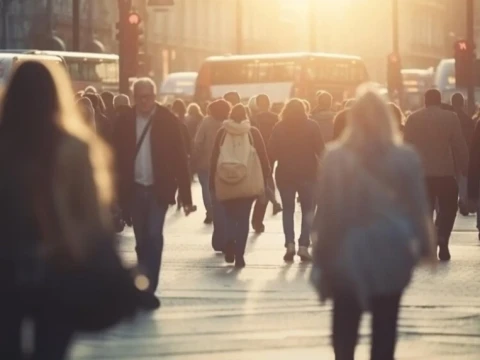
(463, 59)
(131, 43)
(394, 74)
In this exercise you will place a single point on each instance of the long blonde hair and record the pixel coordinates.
(370, 122)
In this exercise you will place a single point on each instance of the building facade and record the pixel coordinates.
(181, 36)
(47, 24)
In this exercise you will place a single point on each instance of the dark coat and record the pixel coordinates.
(265, 122)
(474, 165)
(297, 145)
(169, 157)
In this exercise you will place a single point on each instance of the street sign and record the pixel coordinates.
(160, 2)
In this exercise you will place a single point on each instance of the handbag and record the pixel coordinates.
(94, 294)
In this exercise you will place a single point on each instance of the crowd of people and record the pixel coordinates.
(77, 168)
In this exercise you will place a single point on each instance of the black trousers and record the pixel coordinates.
(346, 321)
(443, 192)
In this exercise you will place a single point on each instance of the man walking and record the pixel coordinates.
(437, 136)
(324, 115)
(152, 161)
(264, 121)
(468, 128)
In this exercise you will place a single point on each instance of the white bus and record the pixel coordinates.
(86, 69)
(178, 85)
(444, 80)
(415, 83)
(8, 62)
(280, 76)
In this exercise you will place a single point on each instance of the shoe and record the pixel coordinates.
(290, 254)
(444, 253)
(239, 262)
(230, 253)
(208, 219)
(148, 301)
(304, 254)
(277, 208)
(259, 229)
(463, 209)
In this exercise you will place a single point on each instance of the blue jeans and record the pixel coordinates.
(306, 195)
(204, 177)
(219, 236)
(237, 213)
(148, 217)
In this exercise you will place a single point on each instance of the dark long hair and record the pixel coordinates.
(28, 120)
(29, 140)
(37, 116)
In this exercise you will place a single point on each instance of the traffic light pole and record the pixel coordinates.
(123, 10)
(76, 25)
(396, 47)
(472, 58)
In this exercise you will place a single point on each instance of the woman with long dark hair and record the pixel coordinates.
(55, 191)
(296, 145)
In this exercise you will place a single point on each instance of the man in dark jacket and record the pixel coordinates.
(324, 115)
(474, 175)
(152, 162)
(468, 127)
(437, 136)
(264, 121)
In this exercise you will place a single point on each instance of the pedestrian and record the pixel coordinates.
(468, 128)
(218, 112)
(324, 115)
(193, 120)
(102, 122)
(90, 90)
(87, 111)
(239, 169)
(397, 115)
(121, 103)
(252, 109)
(107, 98)
(56, 188)
(296, 145)
(371, 228)
(474, 176)
(180, 110)
(152, 162)
(232, 97)
(339, 124)
(264, 121)
(308, 107)
(437, 136)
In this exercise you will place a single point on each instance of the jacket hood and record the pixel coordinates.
(237, 128)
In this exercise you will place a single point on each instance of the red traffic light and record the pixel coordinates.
(134, 18)
(393, 58)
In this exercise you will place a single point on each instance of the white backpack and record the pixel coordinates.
(239, 171)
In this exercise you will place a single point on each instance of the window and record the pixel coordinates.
(336, 71)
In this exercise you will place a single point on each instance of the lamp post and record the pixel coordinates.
(76, 25)
(471, 63)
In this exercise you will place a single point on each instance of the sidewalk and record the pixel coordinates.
(269, 310)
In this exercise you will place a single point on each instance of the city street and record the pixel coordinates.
(212, 311)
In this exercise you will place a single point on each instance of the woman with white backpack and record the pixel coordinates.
(239, 170)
